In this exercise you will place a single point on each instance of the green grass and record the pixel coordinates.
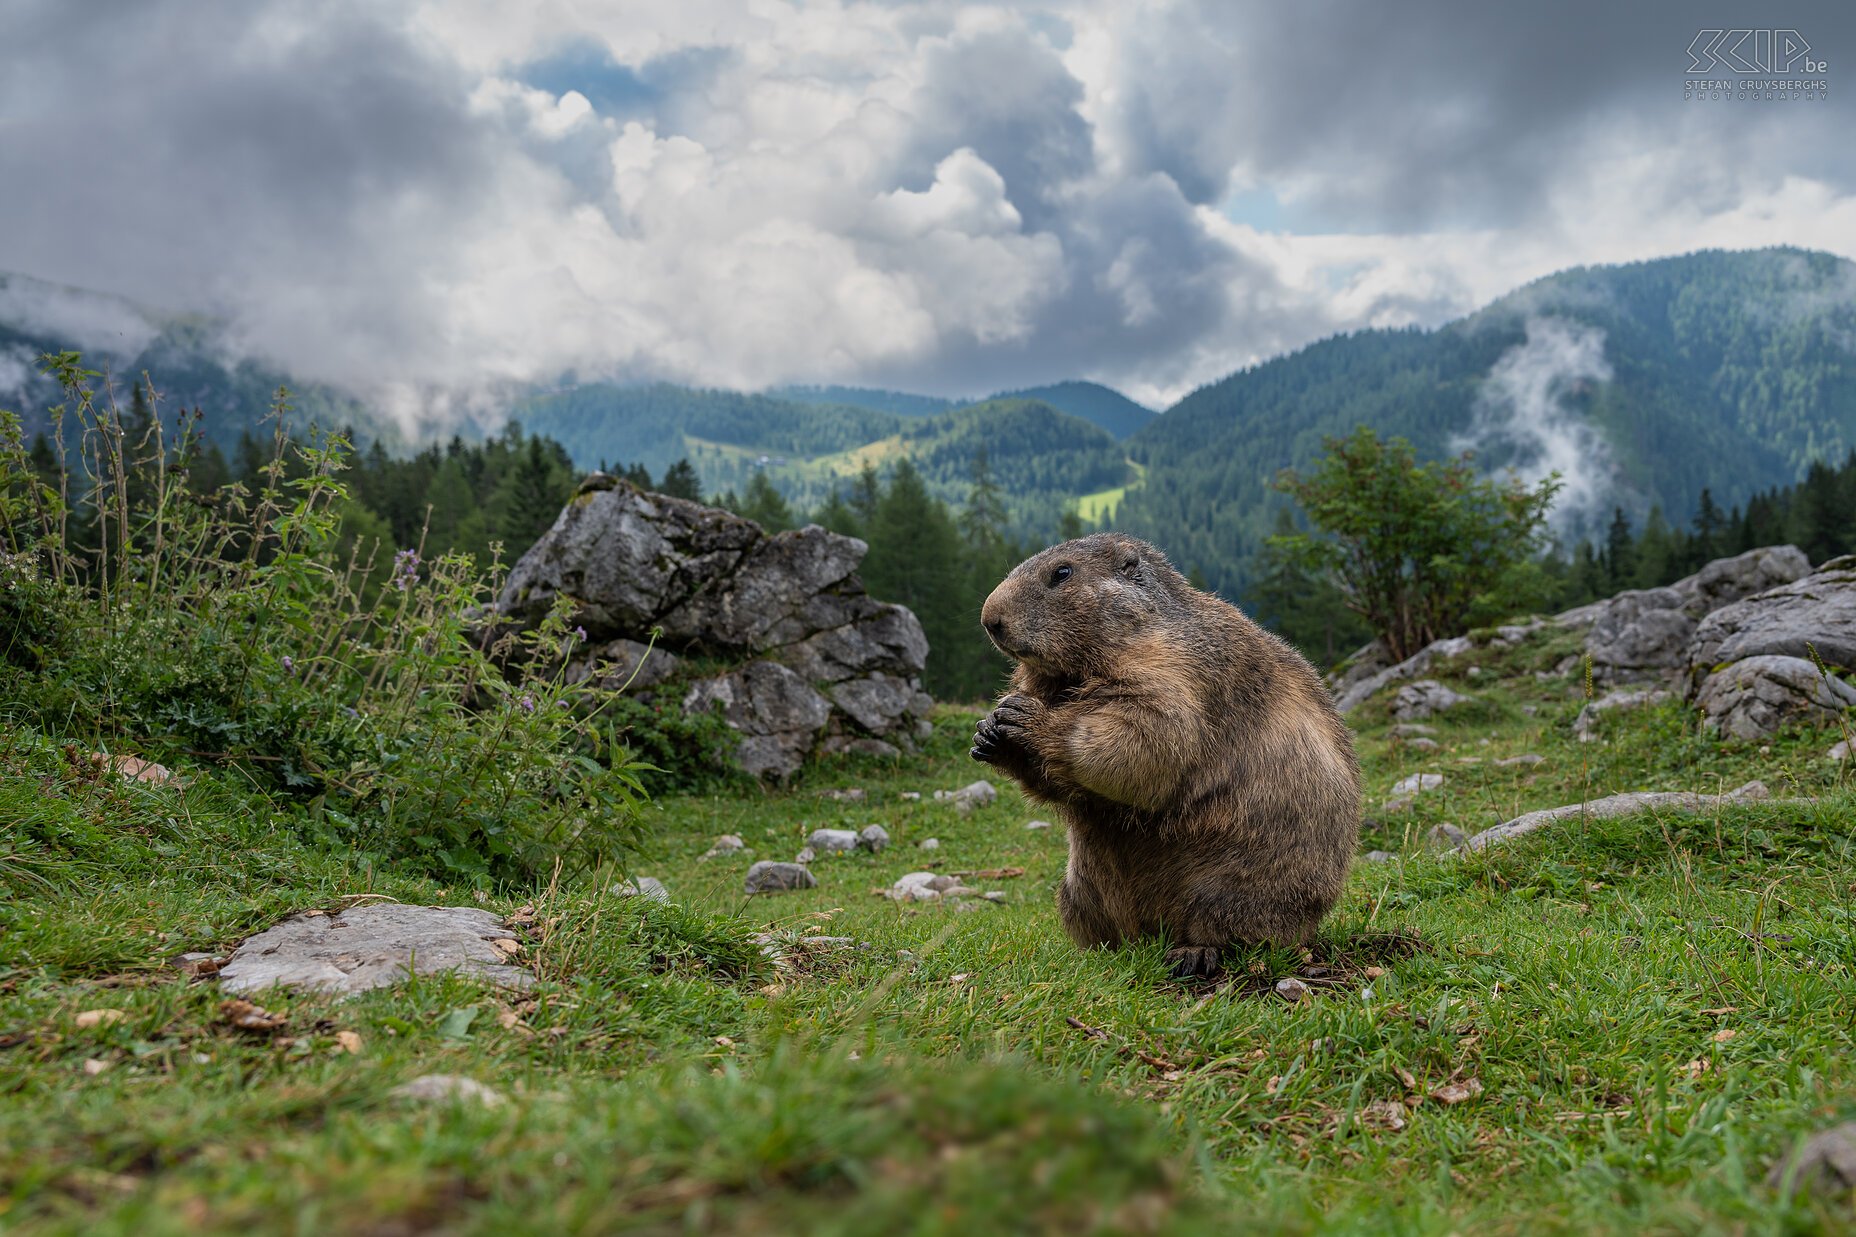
(963, 1072)
(1101, 506)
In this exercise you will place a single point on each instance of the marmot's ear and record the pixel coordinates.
(1131, 565)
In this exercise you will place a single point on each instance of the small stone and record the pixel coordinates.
(972, 795)
(1037, 824)
(807, 855)
(833, 841)
(1530, 709)
(1474, 672)
(93, 1067)
(770, 877)
(927, 887)
(1412, 730)
(853, 795)
(1418, 783)
(447, 1088)
(1425, 698)
(99, 1017)
(1397, 803)
(912, 795)
(1525, 758)
(994, 895)
(1379, 856)
(873, 838)
(1826, 1161)
(931, 844)
(1423, 745)
(1457, 1092)
(1445, 837)
(1291, 990)
(727, 844)
(1840, 752)
(646, 887)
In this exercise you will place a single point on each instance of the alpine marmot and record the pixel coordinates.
(1209, 786)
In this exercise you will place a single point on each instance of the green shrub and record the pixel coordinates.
(234, 628)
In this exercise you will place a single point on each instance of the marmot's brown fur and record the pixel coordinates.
(1209, 786)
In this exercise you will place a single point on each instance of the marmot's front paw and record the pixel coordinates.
(1194, 961)
(1003, 736)
(1014, 718)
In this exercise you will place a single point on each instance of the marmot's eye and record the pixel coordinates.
(1061, 574)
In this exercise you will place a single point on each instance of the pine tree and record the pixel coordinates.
(765, 505)
(529, 497)
(1710, 529)
(1657, 561)
(836, 515)
(914, 560)
(1620, 553)
(866, 494)
(680, 481)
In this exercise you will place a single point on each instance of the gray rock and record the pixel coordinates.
(1756, 697)
(910, 796)
(1646, 633)
(1525, 758)
(1816, 612)
(928, 887)
(1425, 698)
(447, 1089)
(1357, 692)
(832, 841)
(1417, 783)
(788, 610)
(1411, 730)
(621, 664)
(1037, 824)
(873, 838)
(856, 745)
(1839, 751)
(1445, 837)
(1397, 803)
(1422, 744)
(967, 798)
(1379, 856)
(930, 844)
(1825, 1163)
(645, 887)
(1291, 990)
(777, 713)
(373, 946)
(854, 794)
(727, 844)
(805, 855)
(770, 877)
(1585, 726)
(1613, 805)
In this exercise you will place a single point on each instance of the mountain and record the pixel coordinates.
(187, 356)
(1642, 384)
(1099, 405)
(1040, 455)
(900, 402)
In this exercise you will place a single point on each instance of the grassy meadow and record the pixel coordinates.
(1610, 1026)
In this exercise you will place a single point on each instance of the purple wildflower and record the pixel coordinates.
(405, 569)
(289, 664)
(581, 632)
(528, 703)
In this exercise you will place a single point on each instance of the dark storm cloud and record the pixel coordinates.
(226, 154)
(1443, 111)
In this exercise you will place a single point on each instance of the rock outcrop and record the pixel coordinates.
(1757, 696)
(814, 663)
(1646, 633)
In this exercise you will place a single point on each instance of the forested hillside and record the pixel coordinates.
(1643, 383)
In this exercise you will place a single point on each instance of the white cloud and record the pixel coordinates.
(952, 197)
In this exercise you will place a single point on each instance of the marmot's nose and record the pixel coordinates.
(996, 628)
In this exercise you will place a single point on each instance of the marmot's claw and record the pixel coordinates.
(985, 741)
(1193, 961)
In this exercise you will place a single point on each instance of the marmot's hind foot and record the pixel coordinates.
(1194, 962)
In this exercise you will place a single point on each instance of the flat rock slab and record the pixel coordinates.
(374, 946)
(1614, 805)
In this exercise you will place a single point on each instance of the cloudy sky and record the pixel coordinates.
(943, 197)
